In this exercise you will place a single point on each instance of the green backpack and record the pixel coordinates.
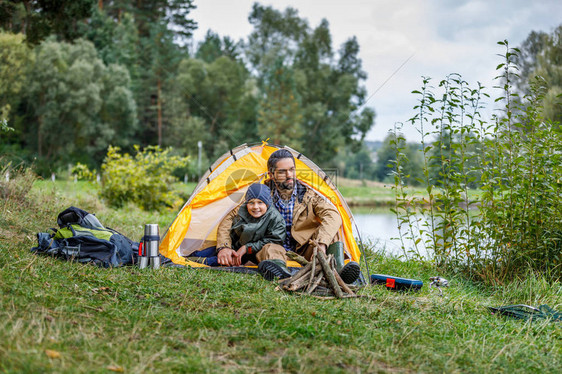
(82, 238)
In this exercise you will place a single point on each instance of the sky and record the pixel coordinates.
(402, 41)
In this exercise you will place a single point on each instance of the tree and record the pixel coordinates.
(79, 104)
(327, 85)
(412, 166)
(213, 47)
(276, 36)
(279, 113)
(218, 99)
(356, 164)
(37, 19)
(151, 52)
(158, 67)
(15, 58)
(541, 56)
(117, 42)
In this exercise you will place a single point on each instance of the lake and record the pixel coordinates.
(379, 226)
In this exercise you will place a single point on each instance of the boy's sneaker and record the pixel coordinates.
(271, 269)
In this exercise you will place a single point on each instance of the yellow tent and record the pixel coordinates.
(223, 187)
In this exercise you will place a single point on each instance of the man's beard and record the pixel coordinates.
(287, 185)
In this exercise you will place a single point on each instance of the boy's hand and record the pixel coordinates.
(227, 257)
(240, 252)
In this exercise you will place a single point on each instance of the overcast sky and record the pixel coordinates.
(440, 36)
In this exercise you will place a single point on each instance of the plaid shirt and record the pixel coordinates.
(286, 210)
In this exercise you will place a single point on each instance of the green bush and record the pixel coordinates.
(83, 172)
(145, 179)
(514, 224)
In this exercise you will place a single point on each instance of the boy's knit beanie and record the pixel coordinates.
(259, 191)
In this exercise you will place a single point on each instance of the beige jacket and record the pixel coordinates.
(313, 218)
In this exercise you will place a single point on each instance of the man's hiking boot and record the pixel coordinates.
(349, 272)
(271, 269)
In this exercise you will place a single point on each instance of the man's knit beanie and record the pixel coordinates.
(259, 191)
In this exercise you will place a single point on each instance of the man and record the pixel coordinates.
(309, 220)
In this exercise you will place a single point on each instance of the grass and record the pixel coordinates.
(367, 193)
(57, 316)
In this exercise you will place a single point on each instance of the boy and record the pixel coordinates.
(247, 230)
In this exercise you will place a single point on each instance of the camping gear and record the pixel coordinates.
(396, 283)
(222, 188)
(438, 282)
(78, 216)
(521, 311)
(149, 248)
(90, 243)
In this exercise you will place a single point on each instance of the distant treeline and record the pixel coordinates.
(77, 76)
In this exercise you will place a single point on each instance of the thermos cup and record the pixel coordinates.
(148, 253)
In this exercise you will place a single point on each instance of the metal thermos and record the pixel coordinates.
(149, 253)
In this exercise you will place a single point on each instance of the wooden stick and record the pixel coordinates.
(342, 284)
(299, 280)
(319, 277)
(297, 285)
(313, 273)
(302, 272)
(297, 258)
(345, 288)
(329, 273)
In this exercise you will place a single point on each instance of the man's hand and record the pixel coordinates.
(239, 253)
(227, 257)
(321, 246)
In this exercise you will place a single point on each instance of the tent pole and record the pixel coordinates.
(363, 253)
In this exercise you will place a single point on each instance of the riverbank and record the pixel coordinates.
(58, 316)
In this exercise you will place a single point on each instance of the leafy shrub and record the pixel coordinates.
(145, 179)
(514, 224)
(82, 172)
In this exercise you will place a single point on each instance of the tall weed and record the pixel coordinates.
(15, 184)
(515, 223)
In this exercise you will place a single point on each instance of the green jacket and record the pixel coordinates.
(250, 231)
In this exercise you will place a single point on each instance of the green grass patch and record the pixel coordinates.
(57, 316)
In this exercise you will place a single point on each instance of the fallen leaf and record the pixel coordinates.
(52, 354)
(118, 369)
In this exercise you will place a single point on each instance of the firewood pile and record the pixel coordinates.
(317, 277)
